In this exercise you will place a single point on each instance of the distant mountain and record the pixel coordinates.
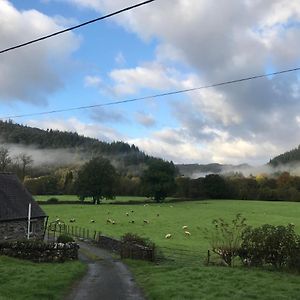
(126, 157)
(199, 170)
(286, 158)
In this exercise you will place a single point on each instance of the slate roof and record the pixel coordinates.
(14, 199)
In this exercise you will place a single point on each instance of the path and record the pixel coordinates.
(107, 278)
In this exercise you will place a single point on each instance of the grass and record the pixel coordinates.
(195, 280)
(164, 282)
(21, 279)
(196, 215)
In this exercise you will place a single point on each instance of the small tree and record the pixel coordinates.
(158, 181)
(226, 238)
(97, 179)
(5, 159)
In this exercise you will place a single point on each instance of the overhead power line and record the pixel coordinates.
(76, 26)
(153, 96)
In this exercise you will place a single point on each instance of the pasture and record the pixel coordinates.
(170, 217)
(177, 280)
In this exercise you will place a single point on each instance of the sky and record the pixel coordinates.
(163, 46)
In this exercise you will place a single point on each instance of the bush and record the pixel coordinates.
(226, 238)
(270, 245)
(52, 200)
(131, 238)
(64, 238)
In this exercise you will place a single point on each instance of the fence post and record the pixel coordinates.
(87, 234)
(95, 233)
(208, 257)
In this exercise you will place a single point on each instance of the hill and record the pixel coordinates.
(286, 158)
(76, 147)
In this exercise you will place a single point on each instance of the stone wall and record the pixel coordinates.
(39, 251)
(17, 229)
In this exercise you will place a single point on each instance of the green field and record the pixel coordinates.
(175, 280)
(21, 279)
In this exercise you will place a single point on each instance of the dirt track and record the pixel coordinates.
(106, 278)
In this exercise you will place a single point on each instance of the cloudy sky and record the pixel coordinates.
(164, 46)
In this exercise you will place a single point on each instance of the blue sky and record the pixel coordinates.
(166, 45)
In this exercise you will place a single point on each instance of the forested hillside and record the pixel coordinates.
(11, 133)
(286, 158)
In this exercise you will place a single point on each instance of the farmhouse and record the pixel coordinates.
(14, 206)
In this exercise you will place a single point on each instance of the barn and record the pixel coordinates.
(14, 206)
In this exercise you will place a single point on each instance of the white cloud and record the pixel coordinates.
(92, 81)
(144, 119)
(219, 41)
(151, 75)
(120, 59)
(29, 74)
(93, 130)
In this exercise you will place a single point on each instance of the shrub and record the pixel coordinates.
(52, 200)
(270, 245)
(131, 238)
(64, 238)
(226, 238)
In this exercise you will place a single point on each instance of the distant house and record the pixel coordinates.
(14, 203)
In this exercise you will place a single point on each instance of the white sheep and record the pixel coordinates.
(184, 227)
(72, 220)
(187, 233)
(127, 214)
(92, 221)
(146, 222)
(132, 221)
(113, 222)
(108, 221)
(168, 236)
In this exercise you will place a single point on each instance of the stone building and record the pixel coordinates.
(14, 203)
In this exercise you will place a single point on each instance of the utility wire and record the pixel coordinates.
(153, 96)
(76, 26)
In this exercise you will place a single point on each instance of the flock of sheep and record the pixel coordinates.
(145, 221)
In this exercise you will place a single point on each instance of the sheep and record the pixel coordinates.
(127, 214)
(92, 221)
(168, 236)
(108, 221)
(187, 233)
(72, 220)
(146, 222)
(132, 211)
(57, 220)
(145, 205)
(157, 215)
(184, 227)
(113, 222)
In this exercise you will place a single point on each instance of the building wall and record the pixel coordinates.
(17, 229)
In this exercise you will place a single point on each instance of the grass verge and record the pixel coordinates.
(21, 279)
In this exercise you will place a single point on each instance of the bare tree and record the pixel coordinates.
(24, 161)
(5, 159)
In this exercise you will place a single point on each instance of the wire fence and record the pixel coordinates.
(56, 229)
(169, 255)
